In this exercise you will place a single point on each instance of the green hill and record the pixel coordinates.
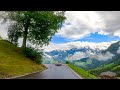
(84, 74)
(14, 63)
(113, 66)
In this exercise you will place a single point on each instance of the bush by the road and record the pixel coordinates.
(33, 54)
(67, 62)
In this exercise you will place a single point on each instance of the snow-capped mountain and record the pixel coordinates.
(74, 50)
(85, 55)
(72, 54)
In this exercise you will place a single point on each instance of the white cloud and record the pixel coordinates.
(80, 24)
(118, 51)
(20, 40)
(111, 20)
(3, 30)
(88, 53)
(103, 57)
(83, 23)
(47, 56)
(77, 56)
(77, 44)
(80, 55)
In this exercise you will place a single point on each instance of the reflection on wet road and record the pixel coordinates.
(53, 72)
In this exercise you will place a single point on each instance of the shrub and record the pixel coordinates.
(33, 54)
(67, 62)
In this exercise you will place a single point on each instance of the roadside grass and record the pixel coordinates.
(84, 74)
(14, 63)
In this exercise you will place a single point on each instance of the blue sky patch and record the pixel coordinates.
(93, 37)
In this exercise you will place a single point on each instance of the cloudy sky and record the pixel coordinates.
(85, 26)
(88, 28)
(93, 26)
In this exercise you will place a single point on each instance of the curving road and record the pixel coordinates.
(53, 72)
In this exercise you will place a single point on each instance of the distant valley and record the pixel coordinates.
(84, 57)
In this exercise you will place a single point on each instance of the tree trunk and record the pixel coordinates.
(25, 37)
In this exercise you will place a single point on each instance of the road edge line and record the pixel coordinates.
(24, 75)
(74, 72)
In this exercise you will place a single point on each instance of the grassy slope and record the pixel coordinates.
(107, 67)
(102, 68)
(84, 74)
(113, 66)
(13, 62)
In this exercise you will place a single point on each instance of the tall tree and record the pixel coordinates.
(37, 27)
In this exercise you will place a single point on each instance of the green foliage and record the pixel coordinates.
(14, 33)
(117, 68)
(67, 62)
(33, 54)
(38, 27)
(84, 74)
(102, 68)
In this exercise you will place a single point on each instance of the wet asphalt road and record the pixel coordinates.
(53, 72)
